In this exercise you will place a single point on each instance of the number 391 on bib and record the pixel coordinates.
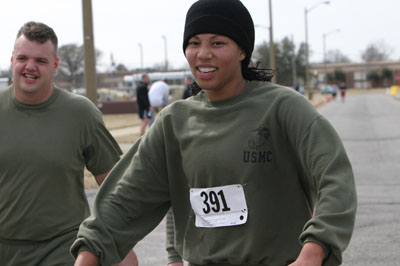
(219, 206)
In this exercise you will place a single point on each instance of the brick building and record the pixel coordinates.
(356, 73)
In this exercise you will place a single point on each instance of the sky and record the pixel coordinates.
(122, 26)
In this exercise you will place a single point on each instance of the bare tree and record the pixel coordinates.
(336, 56)
(378, 51)
(71, 66)
(71, 62)
(121, 68)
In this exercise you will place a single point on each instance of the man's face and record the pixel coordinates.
(33, 65)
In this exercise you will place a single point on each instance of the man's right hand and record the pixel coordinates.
(86, 258)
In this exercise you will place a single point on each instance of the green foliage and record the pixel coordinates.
(387, 74)
(373, 77)
(339, 75)
(284, 57)
(261, 54)
(285, 52)
(330, 78)
(384, 77)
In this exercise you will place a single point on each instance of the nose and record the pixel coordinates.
(30, 65)
(204, 52)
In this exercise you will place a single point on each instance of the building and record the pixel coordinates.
(357, 73)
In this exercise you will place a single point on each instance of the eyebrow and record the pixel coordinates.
(42, 59)
(35, 58)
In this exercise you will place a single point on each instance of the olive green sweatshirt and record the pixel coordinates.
(265, 154)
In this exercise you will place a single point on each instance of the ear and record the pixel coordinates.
(242, 55)
(56, 62)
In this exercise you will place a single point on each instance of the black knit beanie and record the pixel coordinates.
(225, 17)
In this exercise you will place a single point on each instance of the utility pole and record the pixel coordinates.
(324, 46)
(293, 61)
(141, 55)
(89, 52)
(271, 43)
(165, 52)
(307, 81)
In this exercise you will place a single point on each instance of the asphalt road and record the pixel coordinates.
(369, 125)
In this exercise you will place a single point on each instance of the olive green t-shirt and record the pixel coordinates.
(43, 151)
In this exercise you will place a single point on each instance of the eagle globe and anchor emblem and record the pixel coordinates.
(256, 143)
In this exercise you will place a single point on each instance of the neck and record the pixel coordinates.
(33, 98)
(234, 89)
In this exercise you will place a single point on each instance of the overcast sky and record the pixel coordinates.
(120, 25)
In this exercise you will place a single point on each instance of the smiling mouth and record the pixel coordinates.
(30, 76)
(207, 69)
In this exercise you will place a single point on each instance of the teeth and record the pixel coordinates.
(207, 69)
(30, 76)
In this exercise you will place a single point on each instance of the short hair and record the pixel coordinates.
(144, 75)
(38, 32)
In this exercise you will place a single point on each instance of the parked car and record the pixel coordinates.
(327, 89)
(3, 83)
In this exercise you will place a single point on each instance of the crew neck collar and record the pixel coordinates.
(233, 99)
(39, 106)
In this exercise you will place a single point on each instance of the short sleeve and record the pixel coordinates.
(101, 149)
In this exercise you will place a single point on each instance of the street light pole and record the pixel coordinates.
(89, 52)
(271, 43)
(141, 55)
(271, 49)
(307, 67)
(165, 52)
(293, 61)
(324, 43)
(306, 11)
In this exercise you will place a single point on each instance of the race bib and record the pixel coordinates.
(219, 206)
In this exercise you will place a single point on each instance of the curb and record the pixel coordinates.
(323, 101)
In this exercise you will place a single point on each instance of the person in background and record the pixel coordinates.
(48, 137)
(186, 92)
(143, 104)
(343, 89)
(158, 97)
(254, 174)
(335, 89)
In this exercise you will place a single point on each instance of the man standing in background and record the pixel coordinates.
(142, 100)
(158, 97)
(186, 91)
(343, 89)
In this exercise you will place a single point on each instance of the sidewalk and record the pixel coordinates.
(120, 132)
(318, 101)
